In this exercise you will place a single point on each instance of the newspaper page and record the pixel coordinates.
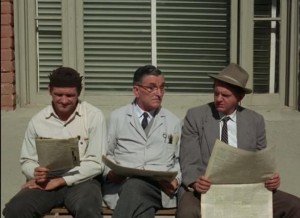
(58, 154)
(236, 201)
(238, 178)
(127, 171)
(230, 165)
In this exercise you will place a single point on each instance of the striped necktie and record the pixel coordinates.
(224, 134)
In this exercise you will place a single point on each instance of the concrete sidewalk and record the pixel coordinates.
(283, 130)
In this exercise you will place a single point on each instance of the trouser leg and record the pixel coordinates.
(189, 206)
(30, 203)
(138, 198)
(285, 205)
(84, 200)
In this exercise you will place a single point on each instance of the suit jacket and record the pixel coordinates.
(130, 146)
(201, 129)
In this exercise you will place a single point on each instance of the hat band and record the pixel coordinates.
(236, 81)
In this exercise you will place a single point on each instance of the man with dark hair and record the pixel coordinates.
(245, 130)
(65, 77)
(140, 136)
(77, 188)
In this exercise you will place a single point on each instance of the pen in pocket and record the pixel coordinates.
(170, 139)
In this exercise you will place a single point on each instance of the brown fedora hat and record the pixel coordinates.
(234, 75)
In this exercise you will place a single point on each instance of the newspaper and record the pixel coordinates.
(236, 201)
(129, 172)
(238, 178)
(230, 165)
(58, 154)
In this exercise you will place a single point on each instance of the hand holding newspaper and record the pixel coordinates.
(58, 154)
(238, 178)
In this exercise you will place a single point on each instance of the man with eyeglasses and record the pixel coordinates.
(143, 135)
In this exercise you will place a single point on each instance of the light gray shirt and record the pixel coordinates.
(87, 122)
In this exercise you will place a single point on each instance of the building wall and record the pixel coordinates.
(8, 90)
(9, 99)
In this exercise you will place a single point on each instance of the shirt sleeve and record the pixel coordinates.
(29, 158)
(91, 163)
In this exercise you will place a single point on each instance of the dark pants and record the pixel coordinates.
(82, 200)
(284, 205)
(138, 198)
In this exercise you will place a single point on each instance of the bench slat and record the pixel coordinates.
(62, 212)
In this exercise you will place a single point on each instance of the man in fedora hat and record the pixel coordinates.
(245, 129)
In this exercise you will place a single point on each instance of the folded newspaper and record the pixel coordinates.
(238, 178)
(129, 172)
(230, 165)
(57, 154)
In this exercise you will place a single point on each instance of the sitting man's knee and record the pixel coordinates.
(188, 212)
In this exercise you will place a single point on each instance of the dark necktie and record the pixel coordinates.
(145, 120)
(224, 134)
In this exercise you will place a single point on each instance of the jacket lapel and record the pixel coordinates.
(211, 127)
(134, 122)
(158, 120)
(243, 133)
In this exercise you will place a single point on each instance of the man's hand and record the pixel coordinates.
(41, 174)
(30, 184)
(201, 185)
(169, 187)
(273, 182)
(48, 185)
(53, 183)
(115, 178)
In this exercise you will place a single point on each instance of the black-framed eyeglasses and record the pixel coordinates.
(152, 89)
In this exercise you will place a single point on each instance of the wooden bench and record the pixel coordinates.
(61, 212)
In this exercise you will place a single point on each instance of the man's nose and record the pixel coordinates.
(159, 92)
(64, 99)
(218, 97)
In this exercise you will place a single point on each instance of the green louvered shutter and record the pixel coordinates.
(192, 40)
(263, 46)
(49, 39)
(117, 39)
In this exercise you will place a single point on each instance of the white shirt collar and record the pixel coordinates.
(231, 116)
(77, 111)
(139, 111)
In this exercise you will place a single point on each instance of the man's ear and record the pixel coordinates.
(135, 91)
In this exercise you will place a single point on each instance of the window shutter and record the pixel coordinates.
(117, 39)
(263, 46)
(193, 40)
(49, 39)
